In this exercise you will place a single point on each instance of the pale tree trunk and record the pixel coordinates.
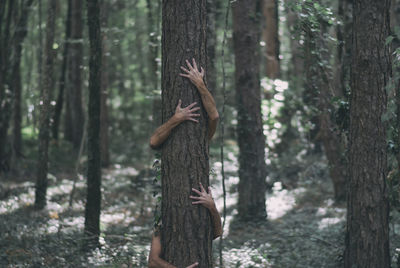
(185, 153)
(44, 127)
(251, 140)
(367, 232)
(270, 36)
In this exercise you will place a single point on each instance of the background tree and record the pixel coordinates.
(93, 196)
(271, 38)
(251, 140)
(44, 128)
(367, 233)
(185, 154)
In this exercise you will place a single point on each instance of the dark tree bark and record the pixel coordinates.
(62, 82)
(252, 168)
(8, 10)
(367, 233)
(185, 154)
(74, 86)
(93, 196)
(213, 7)
(44, 127)
(271, 37)
(19, 36)
(105, 153)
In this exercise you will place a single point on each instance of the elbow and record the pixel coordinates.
(151, 263)
(153, 144)
(214, 117)
(217, 234)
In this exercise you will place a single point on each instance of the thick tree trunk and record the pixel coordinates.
(185, 154)
(252, 167)
(271, 37)
(44, 128)
(62, 82)
(74, 85)
(93, 196)
(367, 234)
(212, 16)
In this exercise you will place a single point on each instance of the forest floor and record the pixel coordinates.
(304, 227)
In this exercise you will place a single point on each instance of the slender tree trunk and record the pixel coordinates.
(252, 167)
(185, 154)
(367, 233)
(93, 196)
(62, 82)
(105, 154)
(74, 89)
(44, 129)
(271, 37)
(212, 16)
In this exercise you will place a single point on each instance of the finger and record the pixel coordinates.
(193, 265)
(189, 65)
(209, 191)
(179, 104)
(195, 197)
(185, 75)
(198, 202)
(184, 69)
(194, 109)
(202, 188)
(195, 115)
(191, 105)
(196, 191)
(202, 71)
(195, 64)
(194, 120)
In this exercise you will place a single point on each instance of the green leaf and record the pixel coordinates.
(389, 40)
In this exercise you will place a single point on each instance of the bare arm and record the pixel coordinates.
(181, 114)
(207, 201)
(196, 77)
(154, 258)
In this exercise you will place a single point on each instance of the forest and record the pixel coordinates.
(207, 133)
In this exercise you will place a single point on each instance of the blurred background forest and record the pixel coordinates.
(305, 62)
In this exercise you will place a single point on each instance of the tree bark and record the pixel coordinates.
(93, 196)
(74, 86)
(271, 38)
(252, 167)
(62, 81)
(44, 127)
(367, 232)
(185, 154)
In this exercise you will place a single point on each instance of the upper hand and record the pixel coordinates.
(183, 114)
(204, 198)
(194, 74)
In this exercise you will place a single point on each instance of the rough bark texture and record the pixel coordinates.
(271, 37)
(367, 234)
(186, 231)
(93, 196)
(105, 153)
(44, 127)
(74, 86)
(62, 81)
(252, 167)
(212, 15)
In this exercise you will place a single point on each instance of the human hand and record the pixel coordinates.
(183, 114)
(193, 265)
(195, 76)
(204, 198)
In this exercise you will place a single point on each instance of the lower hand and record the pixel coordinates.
(183, 114)
(204, 198)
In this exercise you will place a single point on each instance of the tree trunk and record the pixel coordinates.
(271, 37)
(212, 15)
(367, 233)
(20, 34)
(93, 195)
(5, 92)
(44, 128)
(252, 167)
(74, 86)
(60, 98)
(185, 154)
(105, 154)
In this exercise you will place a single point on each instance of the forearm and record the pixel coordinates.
(157, 262)
(163, 132)
(216, 222)
(211, 109)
